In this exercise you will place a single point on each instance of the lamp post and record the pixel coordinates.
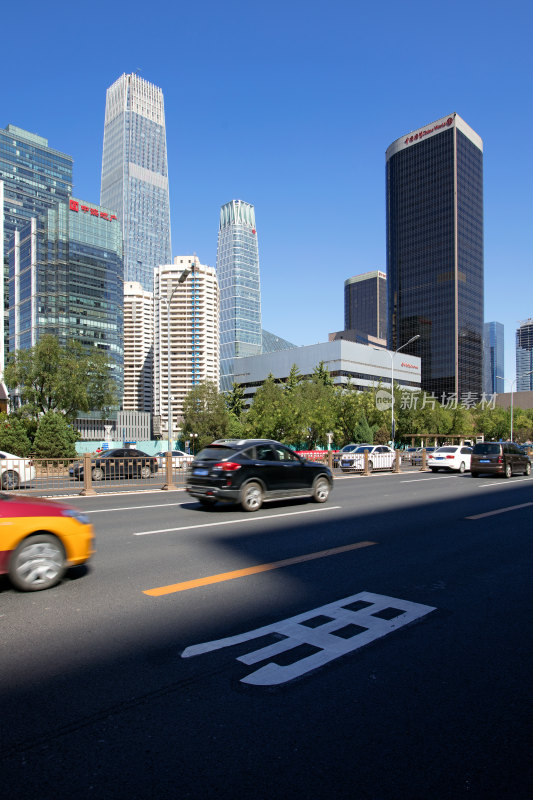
(412, 339)
(513, 382)
(182, 278)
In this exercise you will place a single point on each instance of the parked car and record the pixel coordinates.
(380, 456)
(179, 459)
(408, 453)
(250, 471)
(416, 457)
(499, 458)
(450, 457)
(348, 448)
(15, 471)
(119, 463)
(40, 539)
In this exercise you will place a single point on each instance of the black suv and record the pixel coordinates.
(500, 458)
(249, 471)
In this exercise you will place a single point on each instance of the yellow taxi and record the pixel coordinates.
(40, 539)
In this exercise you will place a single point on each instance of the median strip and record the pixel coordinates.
(241, 573)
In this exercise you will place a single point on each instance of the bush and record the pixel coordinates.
(54, 438)
(14, 436)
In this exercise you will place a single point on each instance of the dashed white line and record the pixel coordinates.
(499, 511)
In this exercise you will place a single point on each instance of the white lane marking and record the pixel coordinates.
(333, 630)
(130, 508)
(499, 511)
(439, 478)
(502, 485)
(237, 521)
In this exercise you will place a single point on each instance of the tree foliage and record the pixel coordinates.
(66, 379)
(14, 436)
(55, 438)
(205, 414)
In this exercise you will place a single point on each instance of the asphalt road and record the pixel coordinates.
(111, 685)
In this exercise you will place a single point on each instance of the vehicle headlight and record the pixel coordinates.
(83, 519)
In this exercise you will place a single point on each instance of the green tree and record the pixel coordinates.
(235, 400)
(14, 436)
(321, 375)
(66, 379)
(294, 379)
(364, 432)
(266, 417)
(205, 414)
(55, 438)
(318, 412)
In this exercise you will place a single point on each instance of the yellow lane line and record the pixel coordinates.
(241, 573)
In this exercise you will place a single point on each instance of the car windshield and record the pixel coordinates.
(485, 449)
(362, 449)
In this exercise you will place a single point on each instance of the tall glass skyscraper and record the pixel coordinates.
(65, 279)
(365, 304)
(135, 175)
(435, 253)
(493, 358)
(240, 289)
(33, 178)
(524, 356)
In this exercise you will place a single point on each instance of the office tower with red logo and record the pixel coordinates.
(435, 254)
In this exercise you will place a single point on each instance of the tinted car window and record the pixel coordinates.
(362, 449)
(215, 452)
(285, 455)
(263, 452)
(486, 449)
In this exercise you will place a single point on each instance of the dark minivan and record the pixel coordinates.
(499, 458)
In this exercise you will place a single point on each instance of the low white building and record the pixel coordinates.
(363, 366)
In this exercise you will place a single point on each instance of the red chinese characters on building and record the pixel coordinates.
(74, 205)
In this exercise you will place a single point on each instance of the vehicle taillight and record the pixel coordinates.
(500, 459)
(227, 466)
(450, 456)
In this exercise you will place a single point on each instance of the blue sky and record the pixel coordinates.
(291, 106)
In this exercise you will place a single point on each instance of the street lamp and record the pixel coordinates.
(412, 339)
(182, 278)
(513, 382)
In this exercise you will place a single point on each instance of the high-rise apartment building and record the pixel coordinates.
(65, 279)
(240, 289)
(493, 358)
(435, 253)
(524, 356)
(135, 174)
(33, 178)
(186, 316)
(365, 304)
(138, 348)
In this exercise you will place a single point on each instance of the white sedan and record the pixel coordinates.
(179, 459)
(15, 471)
(379, 457)
(450, 457)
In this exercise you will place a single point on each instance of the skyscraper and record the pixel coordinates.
(365, 304)
(524, 356)
(493, 358)
(138, 348)
(135, 175)
(65, 279)
(435, 253)
(240, 289)
(35, 177)
(192, 333)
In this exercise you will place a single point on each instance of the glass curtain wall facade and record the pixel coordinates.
(135, 175)
(240, 289)
(65, 279)
(493, 358)
(365, 304)
(435, 253)
(34, 177)
(524, 356)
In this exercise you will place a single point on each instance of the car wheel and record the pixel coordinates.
(434, 469)
(321, 489)
(508, 470)
(10, 480)
(474, 474)
(527, 470)
(37, 563)
(145, 472)
(97, 473)
(252, 497)
(462, 467)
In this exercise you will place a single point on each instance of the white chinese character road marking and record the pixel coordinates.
(332, 631)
